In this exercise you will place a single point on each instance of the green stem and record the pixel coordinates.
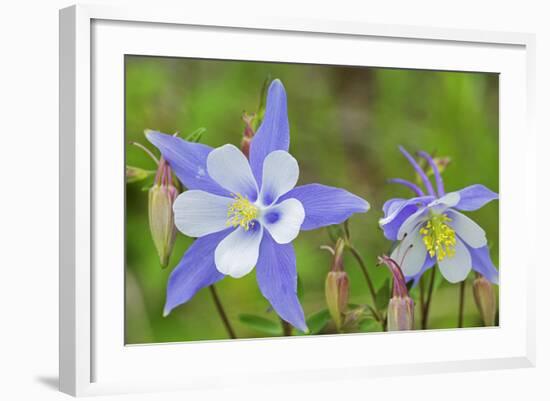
(461, 304)
(147, 151)
(287, 328)
(221, 312)
(428, 300)
(363, 267)
(422, 297)
(347, 231)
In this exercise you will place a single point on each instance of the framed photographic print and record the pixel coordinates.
(292, 199)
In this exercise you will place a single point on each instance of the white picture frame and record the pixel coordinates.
(94, 360)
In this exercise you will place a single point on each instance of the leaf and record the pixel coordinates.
(383, 295)
(135, 174)
(317, 321)
(196, 135)
(369, 326)
(261, 324)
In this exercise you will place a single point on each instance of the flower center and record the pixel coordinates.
(241, 212)
(439, 237)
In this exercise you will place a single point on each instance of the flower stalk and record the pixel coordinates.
(221, 312)
(363, 267)
(147, 151)
(426, 309)
(287, 328)
(461, 304)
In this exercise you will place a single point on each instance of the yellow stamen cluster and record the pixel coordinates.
(241, 213)
(439, 237)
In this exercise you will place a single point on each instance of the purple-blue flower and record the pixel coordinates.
(430, 229)
(246, 213)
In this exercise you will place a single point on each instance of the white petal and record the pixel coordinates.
(457, 267)
(237, 254)
(410, 254)
(445, 202)
(283, 221)
(467, 229)
(198, 213)
(280, 175)
(411, 222)
(230, 168)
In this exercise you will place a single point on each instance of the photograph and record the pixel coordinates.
(269, 199)
(275, 201)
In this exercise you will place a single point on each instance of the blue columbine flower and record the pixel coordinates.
(245, 213)
(431, 229)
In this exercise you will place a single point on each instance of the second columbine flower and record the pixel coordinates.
(431, 229)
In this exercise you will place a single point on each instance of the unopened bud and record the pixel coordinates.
(485, 300)
(248, 134)
(354, 316)
(161, 217)
(400, 314)
(442, 163)
(135, 174)
(252, 121)
(337, 286)
(401, 306)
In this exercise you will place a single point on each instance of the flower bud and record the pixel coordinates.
(337, 286)
(135, 174)
(248, 134)
(442, 163)
(354, 316)
(401, 314)
(401, 306)
(161, 217)
(485, 300)
(252, 121)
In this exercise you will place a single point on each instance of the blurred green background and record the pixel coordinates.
(345, 125)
